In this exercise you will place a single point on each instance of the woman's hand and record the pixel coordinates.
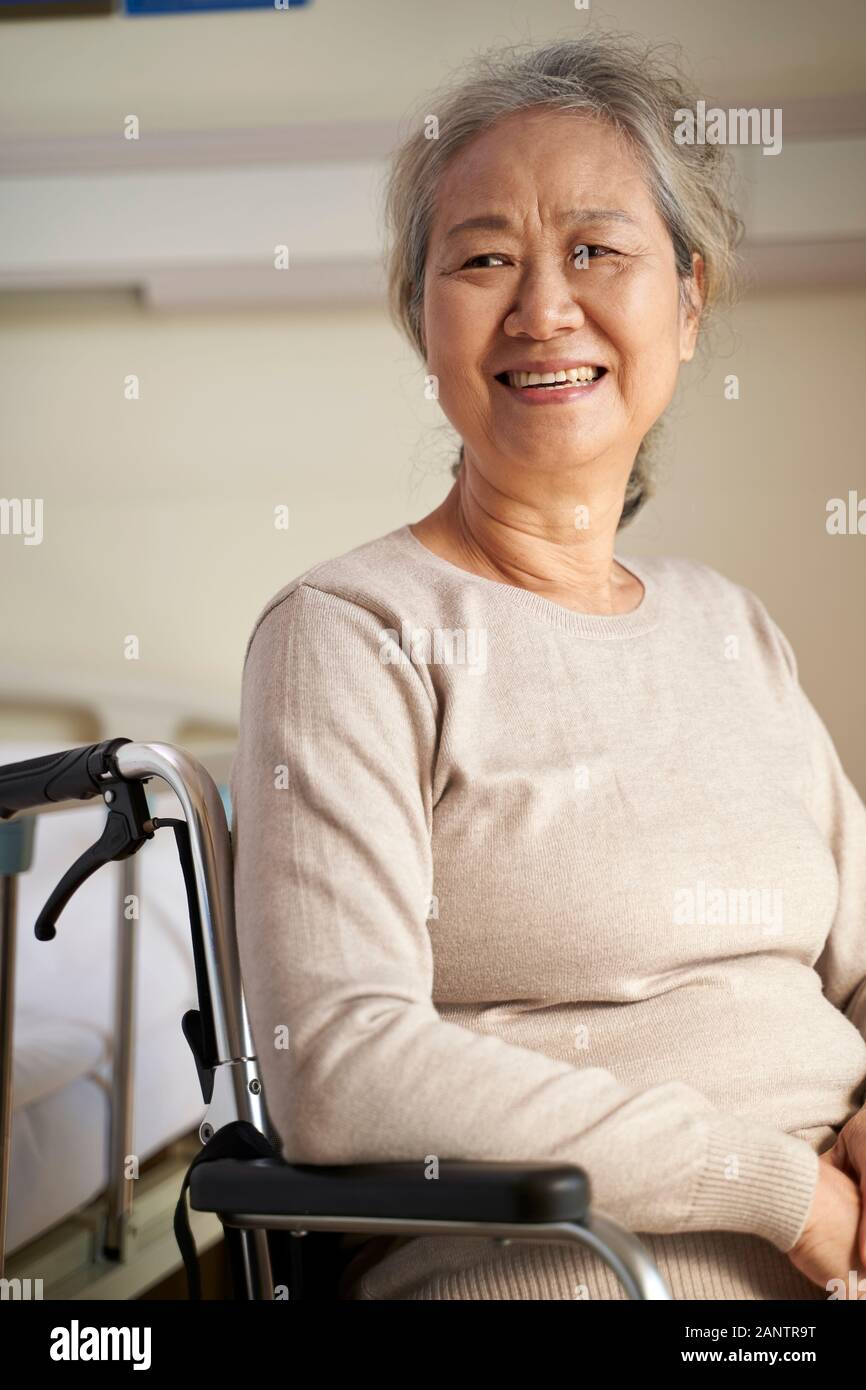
(828, 1246)
(848, 1154)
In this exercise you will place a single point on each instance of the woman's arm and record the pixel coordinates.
(333, 877)
(838, 810)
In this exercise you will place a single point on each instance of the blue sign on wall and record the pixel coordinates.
(53, 9)
(185, 6)
(27, 9)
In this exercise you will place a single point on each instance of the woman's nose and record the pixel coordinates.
(547, 300)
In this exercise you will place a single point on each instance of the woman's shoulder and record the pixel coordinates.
(385, 578)
(698, 582)
(682, 570)
(702, 594)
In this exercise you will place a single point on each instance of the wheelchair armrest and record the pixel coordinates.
(462, 1191)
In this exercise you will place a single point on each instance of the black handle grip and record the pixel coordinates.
(71, 775)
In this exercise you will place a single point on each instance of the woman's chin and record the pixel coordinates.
(570, 444)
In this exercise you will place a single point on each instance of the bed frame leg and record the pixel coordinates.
(120, 1187)
(16, 855)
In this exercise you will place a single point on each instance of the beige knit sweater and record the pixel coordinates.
(519, 883)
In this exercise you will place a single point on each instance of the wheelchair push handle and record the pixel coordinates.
(77, 774)
(72, 775)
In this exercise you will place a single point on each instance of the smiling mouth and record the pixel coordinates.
(552, 381)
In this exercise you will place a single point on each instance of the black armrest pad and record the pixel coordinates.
(507, 1192)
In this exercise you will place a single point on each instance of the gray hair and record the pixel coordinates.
(617, 79)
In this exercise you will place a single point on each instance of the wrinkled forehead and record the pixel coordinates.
(543, 164)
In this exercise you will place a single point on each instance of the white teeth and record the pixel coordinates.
(581, 375)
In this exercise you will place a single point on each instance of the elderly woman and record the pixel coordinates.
(542, 854)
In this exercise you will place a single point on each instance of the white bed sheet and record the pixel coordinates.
(60, 1140)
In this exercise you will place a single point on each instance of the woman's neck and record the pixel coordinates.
(550, 556)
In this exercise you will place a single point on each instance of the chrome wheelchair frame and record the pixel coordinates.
(263, 1193)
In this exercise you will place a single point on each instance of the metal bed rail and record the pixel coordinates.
(203, 808)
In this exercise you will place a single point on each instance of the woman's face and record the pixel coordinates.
(508, 293)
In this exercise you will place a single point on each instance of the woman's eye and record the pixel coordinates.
(580, 254)
(585, 252)
(484, 256)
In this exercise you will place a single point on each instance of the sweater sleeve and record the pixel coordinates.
(839, 812)
(333, 794)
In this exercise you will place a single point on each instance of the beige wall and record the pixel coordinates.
(370, 59)
(158, 515)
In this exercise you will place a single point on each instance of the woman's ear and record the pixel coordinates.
(691, 313)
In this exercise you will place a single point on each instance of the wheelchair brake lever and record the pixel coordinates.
(128, 827)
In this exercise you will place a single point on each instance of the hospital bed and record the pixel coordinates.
(238, 1175)
(100, 1065)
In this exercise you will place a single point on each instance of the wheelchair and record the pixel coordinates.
(284, 1224)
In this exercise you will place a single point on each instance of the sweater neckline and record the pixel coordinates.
(600, 625)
